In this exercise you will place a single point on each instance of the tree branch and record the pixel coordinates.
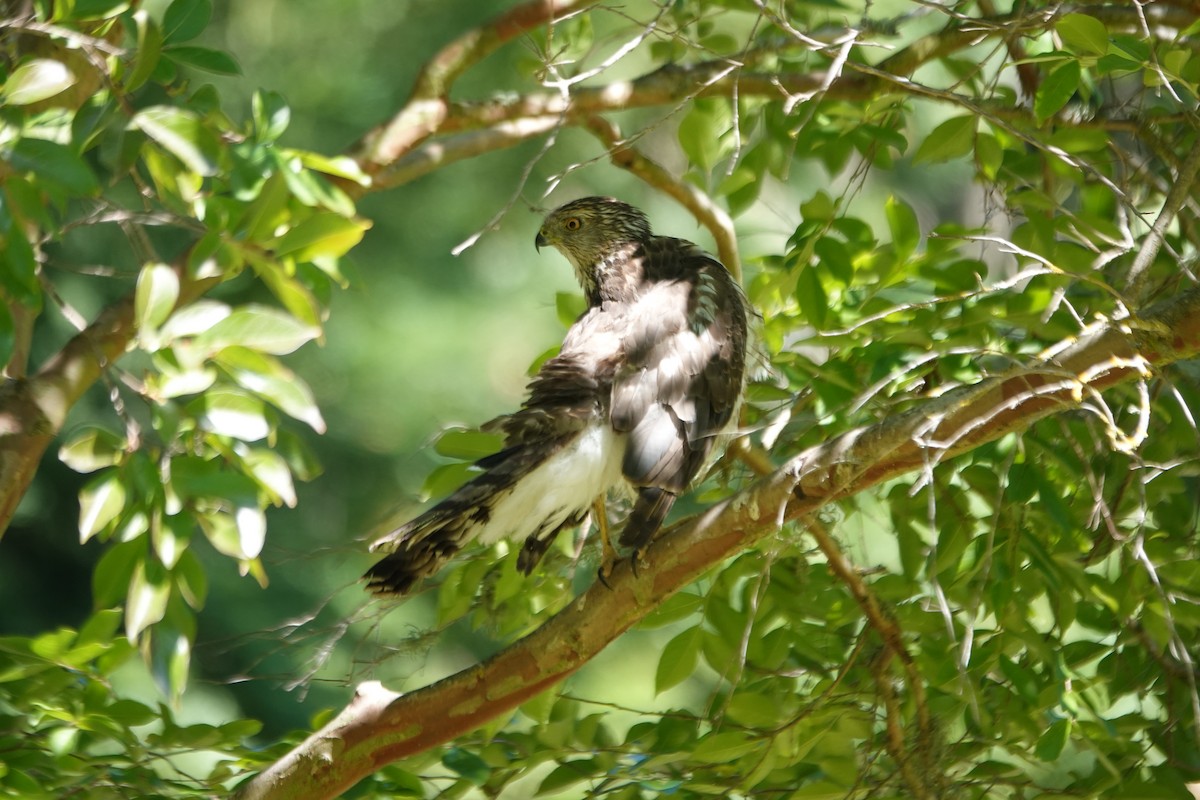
(359, 742)
(429, 104)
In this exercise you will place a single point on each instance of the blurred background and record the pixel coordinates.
(422, 340)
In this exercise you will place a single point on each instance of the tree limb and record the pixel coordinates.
(429, 103)
(391, 727)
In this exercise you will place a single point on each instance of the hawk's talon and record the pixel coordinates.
(602, 575)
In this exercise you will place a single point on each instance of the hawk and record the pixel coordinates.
(647, 379)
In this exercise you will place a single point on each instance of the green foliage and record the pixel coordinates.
(67, 732)
(1036, 628)
(139, 144)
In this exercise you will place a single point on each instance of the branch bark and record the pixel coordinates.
(379, 727)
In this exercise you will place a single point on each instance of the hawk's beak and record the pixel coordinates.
(540, 242)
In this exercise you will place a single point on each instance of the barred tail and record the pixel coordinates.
(397, 573)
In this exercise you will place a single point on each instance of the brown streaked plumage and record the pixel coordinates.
(645, 382)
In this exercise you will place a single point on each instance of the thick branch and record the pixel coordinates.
(358, 743)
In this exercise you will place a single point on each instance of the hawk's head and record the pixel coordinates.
(591, 229)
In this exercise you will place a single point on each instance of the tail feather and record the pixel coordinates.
(648, 513)
(423, 546)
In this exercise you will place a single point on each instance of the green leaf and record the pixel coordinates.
(222, 532)
(155, 297)
(1083, 34)
(1058, 87)
(146, 55)
(952, 139)
(258, 328)
(702, 131)
(191, 579)
(1052, 741)
(989, 155)
(271, 472)
(810, 293)
(567, 774)
(35, 81)
(322, 234)
(147, 599)
(570, 306)
(251, 525)
(467, 444)
(271, 115)
(678, 660)
(193, 319)
(906, 230)
(186, 19)
(98, 9)
(193, 477)
(110, 579)
(231, 412)
(130, 712)
(467, 764)
(270, 380)
(183, 134)
(54, 163)
(100, 502)
(720, 748)
(170, 537)
(18, 268)
(204, 58)
(92, 449)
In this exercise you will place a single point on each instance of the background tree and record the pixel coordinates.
(953, 556)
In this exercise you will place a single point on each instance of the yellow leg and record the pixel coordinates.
(608, 555)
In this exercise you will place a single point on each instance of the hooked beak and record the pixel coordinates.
(540, 242)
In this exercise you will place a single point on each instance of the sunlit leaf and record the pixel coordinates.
(270, 114)
(149, 48)
(251, 525)
(98, 9)
(322, 234)
(36, 80)
(155, 296)
(257, 328)
(101, 501)
(91, 449)
(183, 134)
(272, 472)
(270, 380)
(231, 412)
(193, 319)
(147, 599)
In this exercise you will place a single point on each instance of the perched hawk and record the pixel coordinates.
(646, 380)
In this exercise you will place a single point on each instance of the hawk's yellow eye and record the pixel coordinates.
(573, 224)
